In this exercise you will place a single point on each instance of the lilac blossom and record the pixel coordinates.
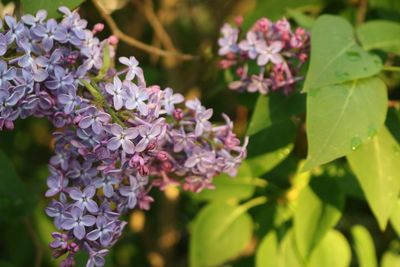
(114, 141)
(122, 138)
(277, 51)
(77, 221)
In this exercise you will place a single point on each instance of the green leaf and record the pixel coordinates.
(380, 34)
(364, 247)
(267, 252)
(288, 254)
(51, 6)
(333, 251)
(226, 187)
(342, 117)
(275, 108)
(390, 259)
(335, 56)
(303, 20)
(262, 164)
(220, 233)
(376, 165)
(318, 209)
(395, 218)
(16, 200)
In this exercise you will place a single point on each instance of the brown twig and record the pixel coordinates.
(134, 42)
(147, 7)
(362, 11)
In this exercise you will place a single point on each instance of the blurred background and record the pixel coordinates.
(160, 237)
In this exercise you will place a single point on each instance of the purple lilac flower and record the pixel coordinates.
(114, 146)
(122, 138)
(77, 221)
(84, 199)
(277, 51)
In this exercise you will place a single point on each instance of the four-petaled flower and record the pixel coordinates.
(84, 199)
(269, 53)
(115, 89)
(103, 232)
(122, 137)
(77, 221)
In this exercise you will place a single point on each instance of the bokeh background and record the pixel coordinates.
(160, 237)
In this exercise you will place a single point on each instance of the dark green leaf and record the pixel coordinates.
(275, 108)
(15, 199)
(51, 6)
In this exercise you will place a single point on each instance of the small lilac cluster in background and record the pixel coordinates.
(267, 58)
(116, 137)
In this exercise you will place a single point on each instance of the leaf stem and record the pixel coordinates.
(253, 203)
(391, 68)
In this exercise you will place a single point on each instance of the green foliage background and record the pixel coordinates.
(326, 198)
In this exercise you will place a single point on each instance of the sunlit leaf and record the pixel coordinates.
(380, 34)
(335, 55)
(318, 209)
(364, 247)
(376, 165)
(220, 233)
(333, 251)
(342, 117)
(267, 252)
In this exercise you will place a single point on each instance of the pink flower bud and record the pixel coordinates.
(113, 40)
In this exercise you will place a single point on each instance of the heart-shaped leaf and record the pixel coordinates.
(341, 117)
(335, 55)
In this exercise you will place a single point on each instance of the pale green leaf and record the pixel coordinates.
(390, 259)
(220, 233)
(364, 247)
(380, 34)
(335, 55)
(51, 6)
(342, 117)
(318, 209)
(376, 165)
(267, 252)
(333, 251)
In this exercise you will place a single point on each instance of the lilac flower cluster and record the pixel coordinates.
(267, 59)
(117, 138)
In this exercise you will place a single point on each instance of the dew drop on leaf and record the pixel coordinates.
(342, 75)
(353, 55)
(372, 131)
(355, 142)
